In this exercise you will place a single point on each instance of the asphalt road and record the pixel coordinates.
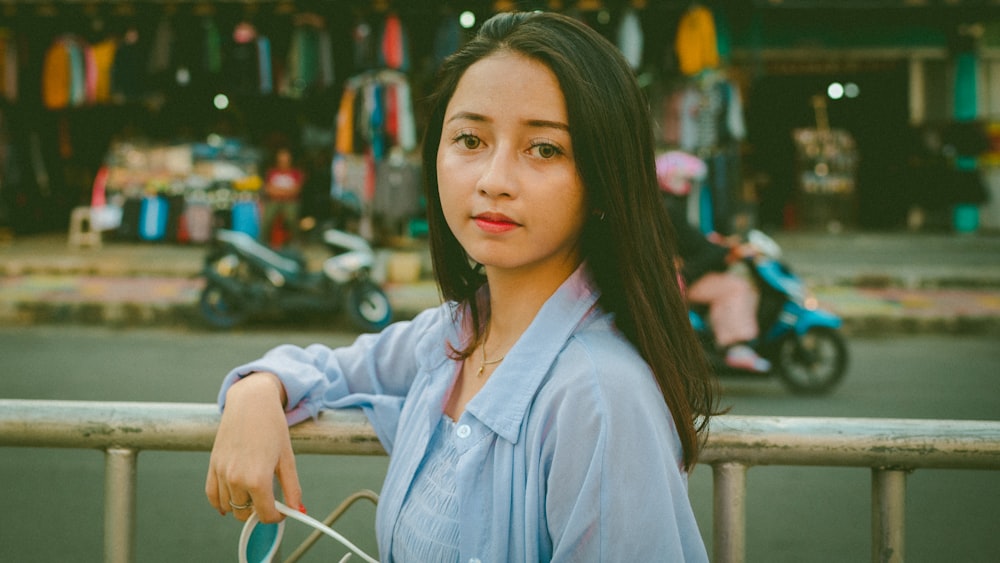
(52, 499)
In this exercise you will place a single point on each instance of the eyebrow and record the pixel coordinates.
(543, 123)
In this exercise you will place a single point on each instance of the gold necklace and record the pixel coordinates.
(486, 362)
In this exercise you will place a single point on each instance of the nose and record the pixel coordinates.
(499, 174)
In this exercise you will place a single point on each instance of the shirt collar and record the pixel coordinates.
(503, 402)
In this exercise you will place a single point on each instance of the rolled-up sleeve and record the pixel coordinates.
(374, 373)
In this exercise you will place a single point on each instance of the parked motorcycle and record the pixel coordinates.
(246, 278)
(803, 342)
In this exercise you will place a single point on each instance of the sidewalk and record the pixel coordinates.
(879, 283)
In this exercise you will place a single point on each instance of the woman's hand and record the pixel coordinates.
(251, 446)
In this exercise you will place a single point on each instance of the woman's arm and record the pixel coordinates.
(252, 445)
(260, 399)
(376, 367)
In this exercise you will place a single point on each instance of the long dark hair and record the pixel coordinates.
(628, 244)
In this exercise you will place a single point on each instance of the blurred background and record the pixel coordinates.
(810, 114)
(864, 135)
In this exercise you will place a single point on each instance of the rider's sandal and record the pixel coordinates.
(743, 357)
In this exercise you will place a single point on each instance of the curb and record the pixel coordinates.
(872, 313)
(877, 284)
(131, 315)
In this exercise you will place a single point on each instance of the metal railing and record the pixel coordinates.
(890, 447)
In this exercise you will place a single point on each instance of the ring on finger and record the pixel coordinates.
(235, 506)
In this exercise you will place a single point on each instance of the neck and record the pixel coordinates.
(514, 302)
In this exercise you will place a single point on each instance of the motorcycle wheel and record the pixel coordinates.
(368, 306)
(812, 363)
(220, 308)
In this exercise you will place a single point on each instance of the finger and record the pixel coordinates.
(212, 492)
(288, 478)
(242, 509)
(262, 499)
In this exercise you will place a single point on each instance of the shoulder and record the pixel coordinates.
(432, 324)
(600, 369)
(601, 396)
(600, 355)
(435, 325)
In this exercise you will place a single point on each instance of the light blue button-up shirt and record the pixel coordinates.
(568, 453)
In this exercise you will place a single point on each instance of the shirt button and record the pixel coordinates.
(463, 431)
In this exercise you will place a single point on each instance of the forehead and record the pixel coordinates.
(505, 81)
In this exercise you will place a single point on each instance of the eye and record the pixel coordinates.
(546, 150)
(468, 141)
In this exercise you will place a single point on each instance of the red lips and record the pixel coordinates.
(495, 222)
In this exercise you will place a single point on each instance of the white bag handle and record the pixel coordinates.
(248, 534)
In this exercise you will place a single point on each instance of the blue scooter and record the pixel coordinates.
(803, 342)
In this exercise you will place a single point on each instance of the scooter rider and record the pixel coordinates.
(731, 300)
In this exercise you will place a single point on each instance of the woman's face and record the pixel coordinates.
(506, 172)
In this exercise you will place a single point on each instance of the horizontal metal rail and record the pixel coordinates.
(890, 447)
(854, 442)
(163, 426)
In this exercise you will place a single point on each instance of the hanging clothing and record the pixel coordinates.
(69, 73)
(723, 35)
(397, 189)
(677, 171)
(709, 113)
(265, 72)
(350, 180)
(393, 52)
(376, 114)
(104, 59)
(213, 46)
(375, 108)
(734, 127)
(630, 38)
(78, 72)
(708, 116)
(90, 74)
(688, 108)
(966, 85)
(345, 122)
(310, 59)
(407, 133)
(8, 65)
(57, 76)
(695, 43)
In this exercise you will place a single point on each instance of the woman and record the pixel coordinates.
(551, 408)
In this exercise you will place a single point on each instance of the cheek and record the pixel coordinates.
(450, 208)
(450, 198)
(574, 203)
(454, 179)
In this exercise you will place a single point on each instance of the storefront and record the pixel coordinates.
(221, 86)
(914, 88)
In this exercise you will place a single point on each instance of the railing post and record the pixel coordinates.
(119, 504)
(729, 497)
(888, 515)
